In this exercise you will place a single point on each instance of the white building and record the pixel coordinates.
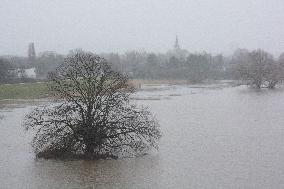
(26, 73)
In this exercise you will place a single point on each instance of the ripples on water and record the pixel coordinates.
(213, 137)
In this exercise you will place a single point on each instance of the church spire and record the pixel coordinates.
(176, 46)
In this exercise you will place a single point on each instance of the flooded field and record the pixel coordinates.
(213, 137)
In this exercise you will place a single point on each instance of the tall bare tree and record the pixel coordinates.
(93, 116)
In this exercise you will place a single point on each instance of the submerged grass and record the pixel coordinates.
(23, 91)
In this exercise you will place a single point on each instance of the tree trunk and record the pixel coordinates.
(90, 149)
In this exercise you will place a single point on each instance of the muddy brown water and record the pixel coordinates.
(212, 138)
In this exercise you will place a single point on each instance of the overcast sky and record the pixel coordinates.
(216, 26)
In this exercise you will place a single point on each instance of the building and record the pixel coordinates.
(25, 73)
(177, 51)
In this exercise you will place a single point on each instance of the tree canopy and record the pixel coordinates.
(259, 69)
(92, 116)
(5, 67)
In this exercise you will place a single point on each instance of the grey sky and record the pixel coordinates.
(216, 26)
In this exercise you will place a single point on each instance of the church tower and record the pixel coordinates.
(177, 51)
(176, 46)
(31, 52)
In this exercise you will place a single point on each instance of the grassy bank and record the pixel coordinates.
(23, 91)
(39, 90)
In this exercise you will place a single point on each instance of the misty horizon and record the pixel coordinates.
(121, 26)
(141, 94)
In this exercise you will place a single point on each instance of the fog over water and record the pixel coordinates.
(213, 137)
(119, 25)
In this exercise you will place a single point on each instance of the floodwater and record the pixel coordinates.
(213, 137)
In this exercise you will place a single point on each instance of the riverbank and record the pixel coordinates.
(23, 91)
(39, 90)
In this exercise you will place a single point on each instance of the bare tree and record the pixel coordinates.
(93, 116)
(259, 61)
(260, 70)
(273, 75)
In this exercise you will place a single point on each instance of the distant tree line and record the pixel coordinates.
(194, 67)
(257, 68)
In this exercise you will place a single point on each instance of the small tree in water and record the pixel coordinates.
(92, 116)
(259, 69)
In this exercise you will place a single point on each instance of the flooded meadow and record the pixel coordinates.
(214, 136)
